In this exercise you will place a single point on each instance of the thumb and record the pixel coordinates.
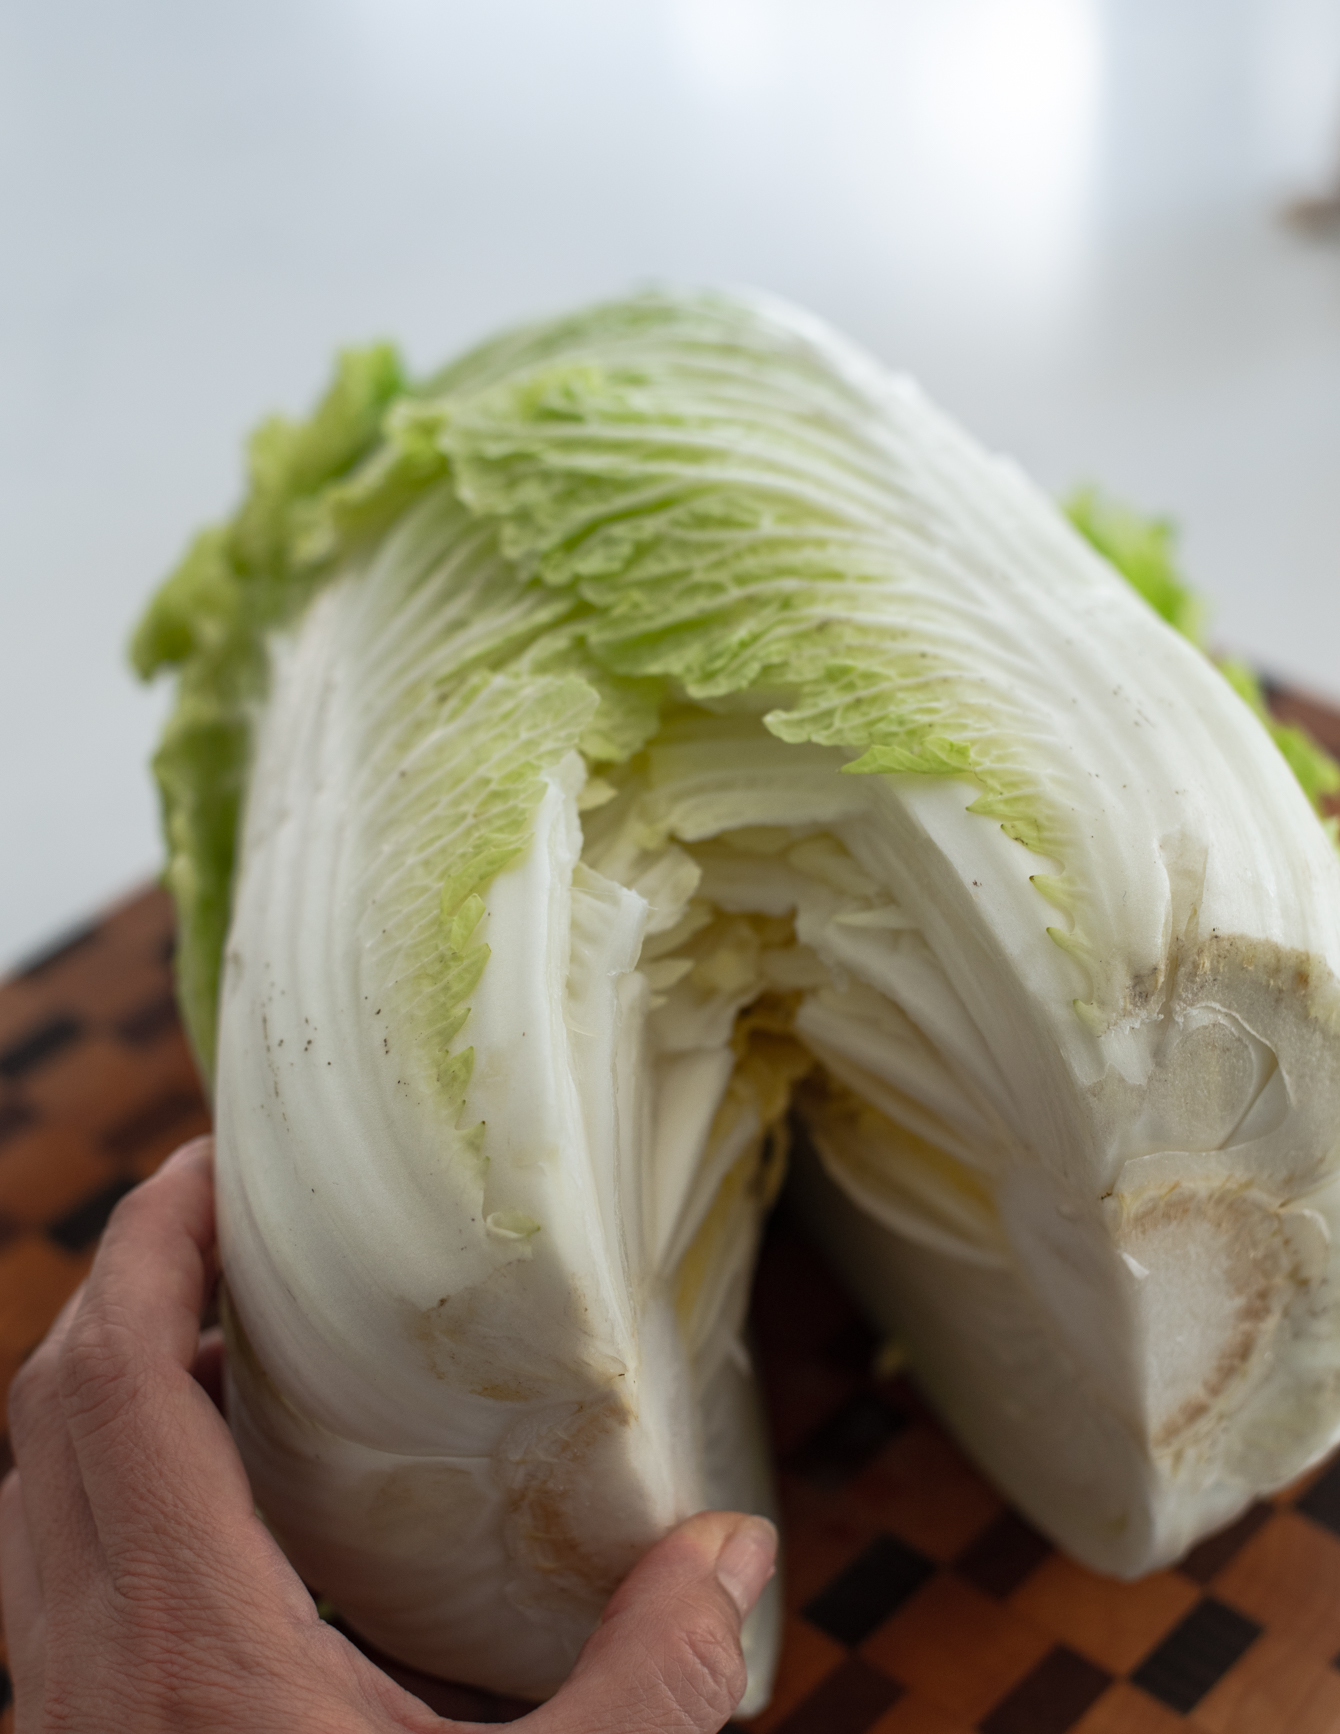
(666, 1657)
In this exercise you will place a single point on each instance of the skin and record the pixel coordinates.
(142, 1594)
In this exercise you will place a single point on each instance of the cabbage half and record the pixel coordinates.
(660, 719)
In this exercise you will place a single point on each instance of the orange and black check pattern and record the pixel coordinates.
(918, 1602)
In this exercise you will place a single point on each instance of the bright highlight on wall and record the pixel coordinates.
(1005, 102)
(968, 128)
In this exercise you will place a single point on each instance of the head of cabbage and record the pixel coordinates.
(660, 720)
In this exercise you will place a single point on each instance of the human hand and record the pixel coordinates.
(142, 1594)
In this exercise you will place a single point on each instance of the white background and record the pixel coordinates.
(1063, 215)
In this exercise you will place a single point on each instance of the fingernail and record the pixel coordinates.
(746, 1561)
(185, 1152)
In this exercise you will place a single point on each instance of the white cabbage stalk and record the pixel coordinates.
(662, 717)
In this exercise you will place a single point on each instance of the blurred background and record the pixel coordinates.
(1104, 233)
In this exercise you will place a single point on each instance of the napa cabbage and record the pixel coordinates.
(660, 728)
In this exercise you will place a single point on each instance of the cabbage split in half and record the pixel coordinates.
(660, 718)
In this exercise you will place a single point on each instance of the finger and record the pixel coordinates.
(667, 1654)
(147, 1437)
(63, 1531)
(21, 1597)
(155, 1265)
(59, 1524)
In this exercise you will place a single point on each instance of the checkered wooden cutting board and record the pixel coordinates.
(918, 1602)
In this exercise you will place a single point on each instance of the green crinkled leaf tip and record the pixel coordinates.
(699, 479)
(1144, 551)
(209, 620)
(1317, 772)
